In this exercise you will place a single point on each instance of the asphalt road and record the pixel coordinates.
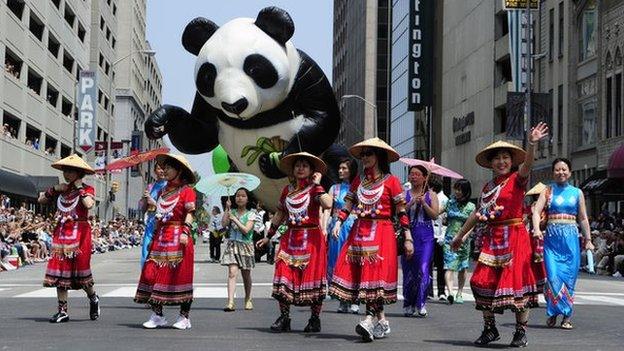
(25, 308)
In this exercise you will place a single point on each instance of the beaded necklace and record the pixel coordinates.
(369, 194)
(488, 209)
(164, 208)
(66, 207)
(297, 203)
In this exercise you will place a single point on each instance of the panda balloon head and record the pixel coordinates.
(257, 96)
(255, 73)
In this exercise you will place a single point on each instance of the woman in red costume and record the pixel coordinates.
(70, 263)
(367, 270)
(506, 276)
(167, 276)
(301, 264)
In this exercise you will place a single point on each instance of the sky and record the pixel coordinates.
(166, 20)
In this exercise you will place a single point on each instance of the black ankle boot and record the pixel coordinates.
(488, 335)
(94, 308)
(314, 325)
(519, 338)
(282, 324)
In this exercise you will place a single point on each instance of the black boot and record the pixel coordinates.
(60, 317)
(314, 325)
(282, 324)
(519, 338)
(489, 334)
(94, 308)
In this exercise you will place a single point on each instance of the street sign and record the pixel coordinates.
(420, 54)
(87, 105)
(520, 4)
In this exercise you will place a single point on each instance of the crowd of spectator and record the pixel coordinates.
(608, 239)
(26, 236)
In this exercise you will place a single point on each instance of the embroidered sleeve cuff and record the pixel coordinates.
(399, 199)
(189, 206)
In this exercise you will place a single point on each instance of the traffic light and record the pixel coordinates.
(115, 186)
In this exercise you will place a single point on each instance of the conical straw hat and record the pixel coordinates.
(517, 154)
(73, 161)
(537, 189)
(182, 160)
(375, 142)
(287, 162)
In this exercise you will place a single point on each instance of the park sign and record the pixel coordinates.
(420, 54)
(87, 105)
(520, 4)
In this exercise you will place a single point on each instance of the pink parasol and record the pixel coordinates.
(133, 160)
(432, 167)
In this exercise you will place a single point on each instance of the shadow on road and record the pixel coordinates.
(465, 343)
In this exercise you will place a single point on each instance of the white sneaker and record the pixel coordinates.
(355, 309)
(155, 321)
(422, 312)
(381, 329)
(408, 311)
(365, 330)
(442, 298)
(617, 274)
(182, 323)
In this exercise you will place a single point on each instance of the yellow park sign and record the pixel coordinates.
(520, 4)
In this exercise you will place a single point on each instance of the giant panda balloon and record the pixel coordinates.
(257, 96)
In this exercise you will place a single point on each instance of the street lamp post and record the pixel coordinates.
(350, 96)
(110, 134)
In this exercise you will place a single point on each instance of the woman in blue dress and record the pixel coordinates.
(565, 205)
(151, 193)
(347, 170)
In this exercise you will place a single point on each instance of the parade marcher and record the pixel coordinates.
(366, 270)
(300, 277)
(505, 276)
(239, 249)
(69, 267)
(457, 210)
(149, 197)
(216, 234)
(565, 207)
(422, 208)
(167, 276)
(347, 170)
(439, 230)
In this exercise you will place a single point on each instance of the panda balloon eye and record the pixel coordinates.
(261, 70)
(205, 80)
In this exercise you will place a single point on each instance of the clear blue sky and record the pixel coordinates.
(166, 20)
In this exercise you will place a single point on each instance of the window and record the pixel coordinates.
(561, 29)
(101, 60)
(618, 104)
(68, 62)
(33, 137)
(108, 33)
(551, 34)
(78, 70)
(12, 64)
(588, 122)
(10, 125)
(503, 72)
(57, 4)
(500, 120)
(114, 9)
(102, 23)
(114, 42)
(587, 37)
(65, 150)
(52, 95)
(17, 7)
(50, 145)
(560, 114)
(502, 25)
(66, 107)
(81, 32)
(36, 26)
(53, 45)
(609, 109)
(100, 94)
(106, 68)
(70, 17)
(34, 81)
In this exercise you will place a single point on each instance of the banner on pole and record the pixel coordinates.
(541, 111)
(420, 54)
(87, 108)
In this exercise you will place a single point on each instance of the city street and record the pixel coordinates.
(26, 307)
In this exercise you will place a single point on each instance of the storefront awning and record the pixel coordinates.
(16, 184)
(599, 184)
(616, 163)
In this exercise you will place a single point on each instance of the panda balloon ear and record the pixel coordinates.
(277, 23)
(197, 33)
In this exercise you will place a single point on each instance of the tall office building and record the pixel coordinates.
(360, 67)
(43, 45)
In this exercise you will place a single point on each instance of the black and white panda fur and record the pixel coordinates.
(252, 83)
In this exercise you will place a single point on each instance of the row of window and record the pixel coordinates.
(33, 137)
(35, 82)
(107, 33)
